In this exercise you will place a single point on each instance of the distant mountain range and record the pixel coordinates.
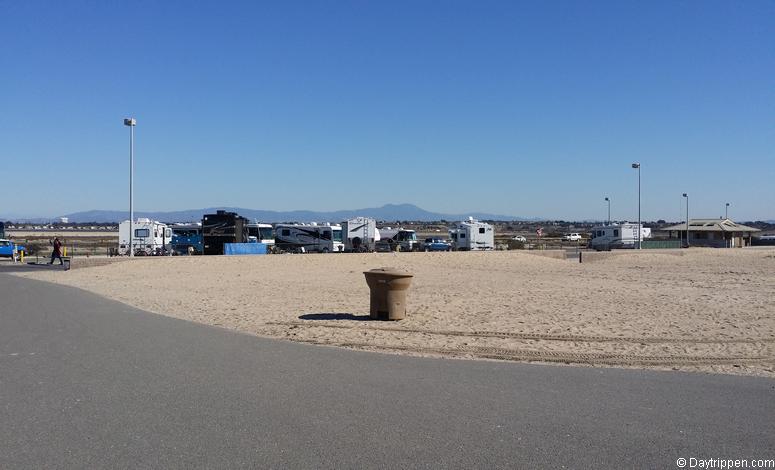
(388, 212)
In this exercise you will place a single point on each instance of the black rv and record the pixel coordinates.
(223, 227)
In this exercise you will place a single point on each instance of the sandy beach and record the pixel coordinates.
(706, 310)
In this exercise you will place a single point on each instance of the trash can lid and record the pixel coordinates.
(389, 271)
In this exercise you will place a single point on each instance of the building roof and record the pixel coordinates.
(711, 225)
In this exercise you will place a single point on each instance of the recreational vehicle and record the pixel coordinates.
(336, 231)
(149, 237)
(360, 234)
(607, 237)
(187, 238)
(472, 235)
(222, 227)
(396, 239)
(261, 233)
(307, 238)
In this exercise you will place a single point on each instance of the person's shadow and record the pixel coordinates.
(334, 316)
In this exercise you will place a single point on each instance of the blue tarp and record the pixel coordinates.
(244, 248)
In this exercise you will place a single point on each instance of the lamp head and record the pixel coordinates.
(636, 165)
(685, 195)
(130, 122)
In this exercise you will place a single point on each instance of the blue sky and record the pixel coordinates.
(530, 109)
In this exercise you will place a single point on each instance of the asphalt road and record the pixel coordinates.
(90, 383)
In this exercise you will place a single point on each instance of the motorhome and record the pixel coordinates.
(396, 239)
(302, 238)
(222, 227)
(360, 234)
(472, 235)
(261, 233)
(614, 236)
(336, 232)
(149, 237)
(187, 239)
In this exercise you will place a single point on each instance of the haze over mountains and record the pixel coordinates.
(388, 212)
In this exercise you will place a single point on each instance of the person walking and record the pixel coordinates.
(57, 253)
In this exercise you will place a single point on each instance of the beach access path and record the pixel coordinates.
(86, 382)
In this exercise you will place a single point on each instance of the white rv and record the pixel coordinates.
(396, 239)
(261, 233)
(338, 237)
(300, 238)
(360, 234)
(149, 237)
(607, 237)
(472, 235)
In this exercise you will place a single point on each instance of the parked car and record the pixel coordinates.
(572, 237)
(519, 238)
(436, 244)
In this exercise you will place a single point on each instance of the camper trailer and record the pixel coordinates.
(149, 237)
(360, 234)
(614, 236)
(302, 238)
(261, 233)
(396, 239)
(222, 227)
(472, 235)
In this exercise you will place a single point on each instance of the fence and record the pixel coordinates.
(660, 244)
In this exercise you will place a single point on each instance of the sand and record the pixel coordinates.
(709, 310)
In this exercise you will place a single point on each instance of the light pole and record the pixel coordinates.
(609, 210)
(726, 211)
(131, 122)
(640, 230)
(687, 219)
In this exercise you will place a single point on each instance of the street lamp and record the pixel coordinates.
(687, 219)
(640, 230)
(609, 210)
(726, 211)
(131, 122)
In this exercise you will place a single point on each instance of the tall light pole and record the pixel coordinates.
(687, 218)
(640, 230)
(609, 210)
(726, 211)
(131, 122)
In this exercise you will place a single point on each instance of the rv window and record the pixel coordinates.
(286, 232)
(325, 235)
(462, 235)
(142, 233)
(481, 229)
(616, 232)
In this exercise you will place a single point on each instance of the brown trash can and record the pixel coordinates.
(388, 293)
